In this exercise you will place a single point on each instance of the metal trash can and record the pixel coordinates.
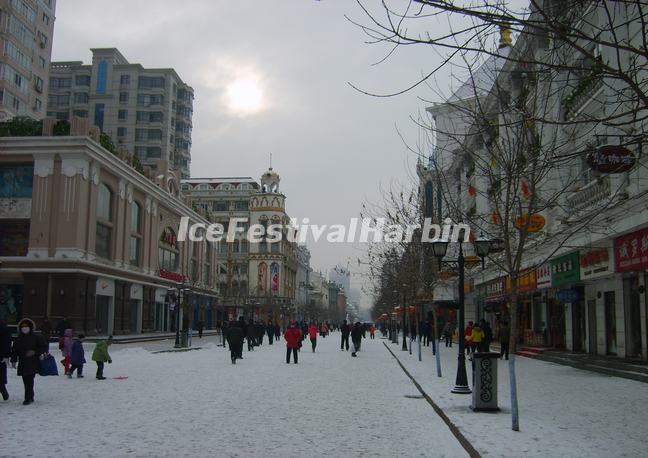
(485, 382)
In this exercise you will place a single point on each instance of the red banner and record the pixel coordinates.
(631, 251)
(172, 275)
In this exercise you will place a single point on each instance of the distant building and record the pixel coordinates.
(26, 30)
(147, 111)
(341, 276)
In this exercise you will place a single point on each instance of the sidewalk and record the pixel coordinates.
(563, 411)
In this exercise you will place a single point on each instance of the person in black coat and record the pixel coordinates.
(346, 330)
(5, 354)
(356, 338)
(27, 350)
(234, 338)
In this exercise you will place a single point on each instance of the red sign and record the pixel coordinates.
(169, 237)
(611, 159)
(172, 275)
(594, 257)
(631, 251)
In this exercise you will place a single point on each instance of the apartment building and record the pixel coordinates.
(26, 32)
(147, 111)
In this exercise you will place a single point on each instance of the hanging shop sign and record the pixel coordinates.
(105, 287)
(631, 251)
(526, 281)
(171, 275)
(543, 276)
(495, 290)
(136, 291)
(595, 263)
(169, 237)
(611, 159)
(565, 269)
(536, 222)
(160, 295)
(568, 295)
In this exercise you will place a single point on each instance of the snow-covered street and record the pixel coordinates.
(198, 403)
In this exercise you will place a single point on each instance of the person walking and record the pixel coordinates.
(346, 331)
(5, 358)
(448, 330)
(312, 333)
(250, 335)
(293, 338)
(504, 337)
(201, 326)
(62, 326)
(100, 356)
(477, 338)
(77, 357)
(356, 338)
(234, 338)
(67, 349)
(270, 331)
(467, 337)
(28, 350)
(372, 331)
(277, 331)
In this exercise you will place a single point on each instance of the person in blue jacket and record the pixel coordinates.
(77, 357)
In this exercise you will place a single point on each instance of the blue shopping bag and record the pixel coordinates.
(47, 366)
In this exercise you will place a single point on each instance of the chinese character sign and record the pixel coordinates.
(631, 251)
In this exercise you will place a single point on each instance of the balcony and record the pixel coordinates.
(592, 194)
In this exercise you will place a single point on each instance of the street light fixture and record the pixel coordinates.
(483, 247)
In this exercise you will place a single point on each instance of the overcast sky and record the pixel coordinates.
(272, 77)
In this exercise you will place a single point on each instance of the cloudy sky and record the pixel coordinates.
(272, 77)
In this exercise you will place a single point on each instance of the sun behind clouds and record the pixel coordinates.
(244, 96)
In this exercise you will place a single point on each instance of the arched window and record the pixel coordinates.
(135, 234)
(103, 241)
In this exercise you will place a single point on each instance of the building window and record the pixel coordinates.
(124, 80)
(46, 19)
(122, 115)
(38, 84)
(121, 131)
(154, 152)
(168, 250)
(151, 82)
(56, 100)
(81, 80)
(80, 113)
(99, 115)
(136, 234)
(38, 105)
(274, 247)
(23, 8)
(81, 97)
(104, 222)
(16, 182)
(102, 76)
(42, 62)
(123, 97)
(42, 40)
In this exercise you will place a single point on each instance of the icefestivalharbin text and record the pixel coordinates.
(363, 230)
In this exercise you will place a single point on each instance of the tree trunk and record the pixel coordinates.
(515, 414)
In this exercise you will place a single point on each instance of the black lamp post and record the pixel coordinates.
(404, 346)
(439, 249)
(181, 289)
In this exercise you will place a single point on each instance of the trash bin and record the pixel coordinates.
(485, 382)
(184, 336)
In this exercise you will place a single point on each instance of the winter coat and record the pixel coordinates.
(100, 353)
(293, 337)
(5, 341)
(61, 327)
(372, 329)
(27, 350)
(234, 336)
(67, 343)
(504, 334)
(477, 335)
(346, 330)
(488, 333)
(468, 333)
(312, 332)
(356, 333)
(77, 354)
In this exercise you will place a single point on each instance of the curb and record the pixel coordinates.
(465, 443)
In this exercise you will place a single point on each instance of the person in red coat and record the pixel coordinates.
(293, 337)
(312, 333)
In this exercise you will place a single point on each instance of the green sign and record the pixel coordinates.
(565, 269)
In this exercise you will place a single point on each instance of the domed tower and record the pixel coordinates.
(270, 182)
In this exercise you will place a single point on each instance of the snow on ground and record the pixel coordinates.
(197, 403)
(563, 411)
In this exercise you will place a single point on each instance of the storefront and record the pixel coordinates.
(631, 260)
(161, 320)
(597, 273)
(567, 319)
(105, 306)
(135, 306)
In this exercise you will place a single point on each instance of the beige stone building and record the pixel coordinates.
(26, 32)
(88, 237)
(145, 110)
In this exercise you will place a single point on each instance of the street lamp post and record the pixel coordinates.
(180, 289)
(439, 249)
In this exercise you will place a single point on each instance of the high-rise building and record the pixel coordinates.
(146, 111)
(26, 31)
